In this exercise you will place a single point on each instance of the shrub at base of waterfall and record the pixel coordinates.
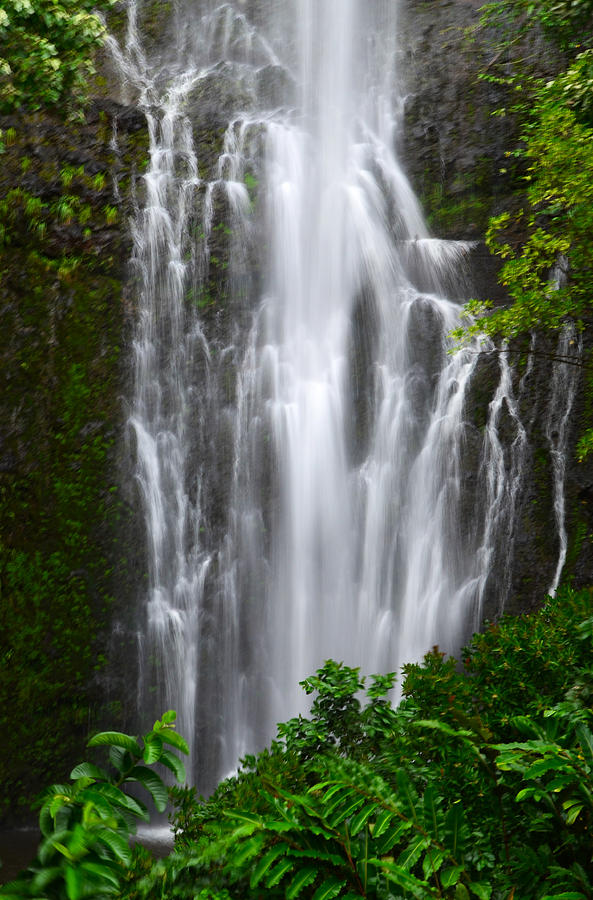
(479, 784)
(86, 825)
(46, 51)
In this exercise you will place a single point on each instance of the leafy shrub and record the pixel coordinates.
(86, 825)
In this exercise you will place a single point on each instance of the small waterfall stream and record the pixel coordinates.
(300, 437)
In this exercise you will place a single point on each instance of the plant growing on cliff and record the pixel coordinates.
(545, 245)
(46, 49)
(86, 825)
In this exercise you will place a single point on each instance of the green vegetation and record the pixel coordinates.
(478, 785)
(86, 826)
(46, 50)
(545, 241)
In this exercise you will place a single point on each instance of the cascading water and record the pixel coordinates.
(300, 435)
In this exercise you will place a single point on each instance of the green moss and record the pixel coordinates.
(61, 319)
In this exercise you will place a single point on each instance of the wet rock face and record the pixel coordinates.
(67, 554)
(454, 151)
(452, 147)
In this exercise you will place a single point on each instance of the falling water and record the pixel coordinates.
(297, 419)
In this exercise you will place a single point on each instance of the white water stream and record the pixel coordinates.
(300, 437)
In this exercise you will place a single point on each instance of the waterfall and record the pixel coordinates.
(298, 424)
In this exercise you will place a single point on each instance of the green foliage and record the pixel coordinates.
(545, 246)
(478, 785)
(46, 49)
(86, 825)
(563, 21)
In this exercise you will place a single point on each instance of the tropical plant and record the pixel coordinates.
(46, 49)
(86, 825)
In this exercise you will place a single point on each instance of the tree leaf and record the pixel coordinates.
(382, 823)
(430, 812)
(74, 883)
(116, 739)
(172, 762)
(541, 766)
(153, 783)
(277, 874)
(342, 814)
(88, 770)
(117, 844)
(171, 737)
(481, 889)
(388, 840)
(450, 875)
(265, 862)
(401, 877)
(410, 856)
(585, 739)
(301, 880)
(330, 888)
(454, 833)
(432, 861)
(360, 820)
(153, 746)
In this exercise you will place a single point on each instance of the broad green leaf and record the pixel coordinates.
(331, 790)
(249, 848)
(47, 848)
(301, 880)
(382, 823)
(153, 746)
(340, 815)
(172, 762)
(120, 759)
(407, 795)
(44, 877)
(481, 889)
(573, 811)
(329, 888)
(430, 812)
(74, 883)
(267, 860)
(243, 815)
(119, 798)
(404, 879)
(97, 799)
(171, 737)
(101, 873)
(153, 783)
(116, 739)
(361, 818)
(88, 770)
(277, 874)
(454, 830)
(317, 853)
(450, 875)
(461, 892)
(541, 766)
(432, 862)
(117, 844)
(391, 837)
(347, 794)
(410, 856)
(585, 739)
